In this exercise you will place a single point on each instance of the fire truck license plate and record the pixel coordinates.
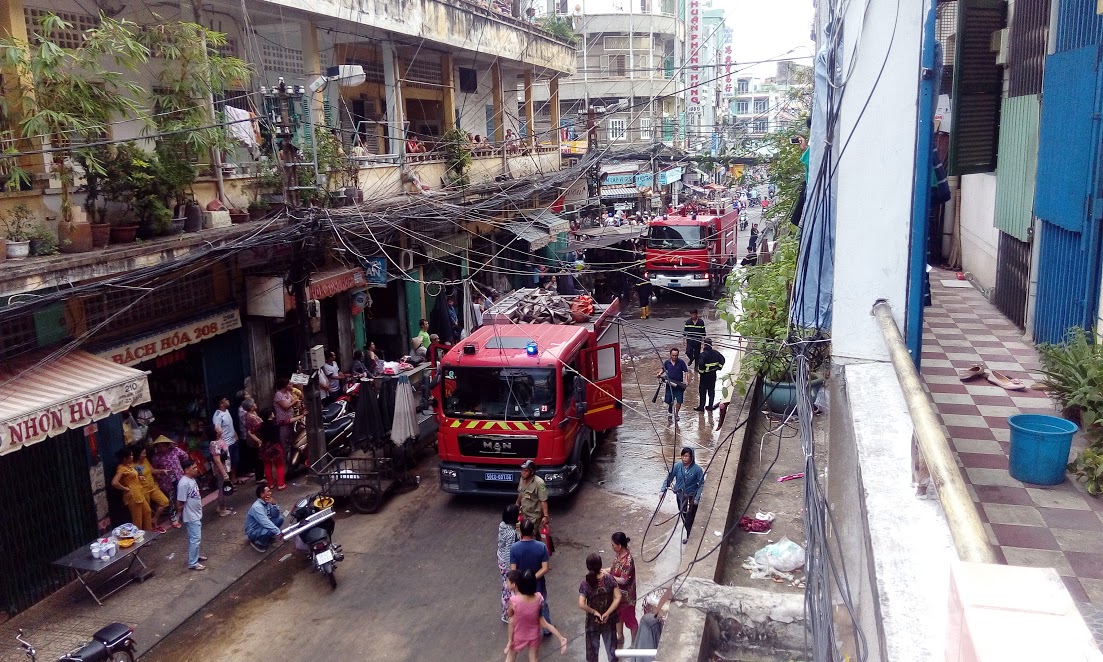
(674, 283)
(505, 478)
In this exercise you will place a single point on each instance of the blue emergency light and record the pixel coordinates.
(530, 348)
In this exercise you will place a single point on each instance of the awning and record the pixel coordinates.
(39, 401)
(696, 189)
(616, 192)
(536, 236)
(550, 222)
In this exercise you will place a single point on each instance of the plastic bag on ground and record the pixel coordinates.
(784, 555)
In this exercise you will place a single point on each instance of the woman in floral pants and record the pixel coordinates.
(507, 535)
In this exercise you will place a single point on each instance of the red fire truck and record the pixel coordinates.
(510, 392)
(692, 249)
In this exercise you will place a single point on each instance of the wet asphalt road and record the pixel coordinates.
(419, 581)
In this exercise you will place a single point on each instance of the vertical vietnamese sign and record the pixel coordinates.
(728, 38)
(693, 18)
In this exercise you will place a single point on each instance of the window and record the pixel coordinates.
(761, 105)
(645, 6)
(490, 123)
(742, 108)
(645, 128)
(761, 126)
(71, 37)
(744, 85)
(617, 129)
(639, 43)
(500, 393)
(617, 65)
(675, 236)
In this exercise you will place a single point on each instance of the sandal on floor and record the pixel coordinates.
(972, 372)
(1003, 381)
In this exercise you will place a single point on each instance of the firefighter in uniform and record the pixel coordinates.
(694, 331)
(708, 364)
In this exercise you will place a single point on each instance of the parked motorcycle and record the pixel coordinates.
(337, 420)
(313, 526)
(112, 643)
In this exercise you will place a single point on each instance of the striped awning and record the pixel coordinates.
(614, 192)
(45, 398)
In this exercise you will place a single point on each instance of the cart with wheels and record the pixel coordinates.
(364, 481)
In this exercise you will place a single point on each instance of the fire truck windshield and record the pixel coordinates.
(507, 394)
(676, 236)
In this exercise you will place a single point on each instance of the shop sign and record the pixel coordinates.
(669, 176)
(165, 342)
(614, 180)
(576, 194)
(329, 284)
(375, 270)
(76, 413)
(693, 21)
(644, 180)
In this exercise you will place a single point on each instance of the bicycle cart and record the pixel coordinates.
(364, 480)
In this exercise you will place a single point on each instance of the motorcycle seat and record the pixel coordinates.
(113, 634)
(337, 427)
(313, 535)
(93, 651)
(332, 410)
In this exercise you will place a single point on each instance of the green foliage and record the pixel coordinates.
(137, 179)
(786, 172)
(765, 314)
(178, 172)
(558, 26)
(43, 240)
(73, 92)
(457, 155)
(18, 223)
(1073, 376)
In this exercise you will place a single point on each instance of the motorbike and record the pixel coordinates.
(313, 527)
(111, 643)
(337, 421)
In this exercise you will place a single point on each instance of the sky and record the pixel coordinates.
(767, 28)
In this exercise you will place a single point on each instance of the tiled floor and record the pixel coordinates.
(1033, 525)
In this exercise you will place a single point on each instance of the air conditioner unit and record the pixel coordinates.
(1000, 45)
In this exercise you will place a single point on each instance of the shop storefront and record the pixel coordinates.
(52, 422)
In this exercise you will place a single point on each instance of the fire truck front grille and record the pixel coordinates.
(495, 445)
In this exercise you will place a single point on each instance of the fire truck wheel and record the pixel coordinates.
(365, 499)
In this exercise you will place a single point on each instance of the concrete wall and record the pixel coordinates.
(451, 23)
(979, 237)
(895, 545)
(876, 174)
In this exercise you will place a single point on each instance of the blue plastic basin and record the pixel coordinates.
(1040, 447)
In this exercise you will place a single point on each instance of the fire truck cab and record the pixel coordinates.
(510, 392)
(695, 248)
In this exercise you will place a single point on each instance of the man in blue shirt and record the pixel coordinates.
(688, 480)
(530, 554)
(262, 524)
(674, 371)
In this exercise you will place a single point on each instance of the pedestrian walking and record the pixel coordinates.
(752, 244)
(532, 497)
(623, 570)
(167, 457)
(263, 522)
(643, 288)
(687, 479)
(507, 535)
(708, 365)
(694, 331)
(190, 505)
(674, 372)
(525, 619)
(134, 496)
(528, 554)
(599, 596)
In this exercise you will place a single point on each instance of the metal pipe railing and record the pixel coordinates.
(966, 528)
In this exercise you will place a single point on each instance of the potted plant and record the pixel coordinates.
(58, 105)
(18, 224)
(1072, 374)
(43, 242)
(457, 158)
(258, 209)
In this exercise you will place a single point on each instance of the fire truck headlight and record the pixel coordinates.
(449, 473)
(553, 478)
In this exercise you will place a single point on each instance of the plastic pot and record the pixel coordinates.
(17, 250)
